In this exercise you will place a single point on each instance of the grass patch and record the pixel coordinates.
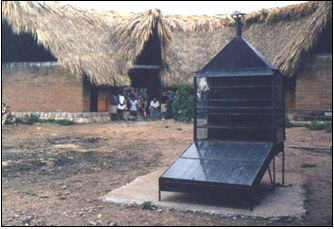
(148, 205)
(51, 156)
(61, 121)
(30, 193)
(35, 118)
(308, 165)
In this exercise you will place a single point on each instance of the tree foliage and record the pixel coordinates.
(182, 103)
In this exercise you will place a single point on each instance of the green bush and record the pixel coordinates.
(317, 125)
(64, 122)
(32, 118)
(182, 103)
(61, 121)
(329, 127)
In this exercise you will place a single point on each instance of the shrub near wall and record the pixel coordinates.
(182, 103)
(319, 125)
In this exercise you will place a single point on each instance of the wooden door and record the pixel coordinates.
(102, 101)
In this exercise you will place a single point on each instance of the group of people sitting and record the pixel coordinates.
(6, 115)
(154, 110)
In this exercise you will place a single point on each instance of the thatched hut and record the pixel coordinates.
(86, 53)
(94, 51)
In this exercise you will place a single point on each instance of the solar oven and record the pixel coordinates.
(238, 125)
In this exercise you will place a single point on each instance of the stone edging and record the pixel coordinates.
(78, 117)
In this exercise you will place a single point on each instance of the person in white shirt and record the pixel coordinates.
(3, 114)
(154, 109)
(120, 105)
(133, 106)
(3, 111)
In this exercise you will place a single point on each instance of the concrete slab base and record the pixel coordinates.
(284, 203)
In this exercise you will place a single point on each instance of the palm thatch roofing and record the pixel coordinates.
(101, 44)
(105, 44)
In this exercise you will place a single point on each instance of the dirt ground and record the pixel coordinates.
(53, 175)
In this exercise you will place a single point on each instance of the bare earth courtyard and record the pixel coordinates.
(54, 175)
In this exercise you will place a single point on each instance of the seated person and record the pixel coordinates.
(8, 118)
(3, 111)
(154, 109)
(143, 106)
(165, 107)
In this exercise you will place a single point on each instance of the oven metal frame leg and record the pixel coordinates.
(283, 167)
(252, 199)
(274, 170)
(270, 176)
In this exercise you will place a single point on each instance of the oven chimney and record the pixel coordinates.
(237, 17)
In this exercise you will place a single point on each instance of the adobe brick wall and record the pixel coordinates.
(43, 86)
(86, 95)
(314, 83)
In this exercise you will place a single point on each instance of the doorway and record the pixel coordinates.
(102, 101)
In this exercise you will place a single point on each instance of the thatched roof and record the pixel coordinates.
(105, 44)
(100, 44)
(281, 35)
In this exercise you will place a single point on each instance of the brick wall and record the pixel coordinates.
(87, 88)
(314, 83)
(43, 86)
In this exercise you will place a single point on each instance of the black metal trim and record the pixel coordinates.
(195, 109)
